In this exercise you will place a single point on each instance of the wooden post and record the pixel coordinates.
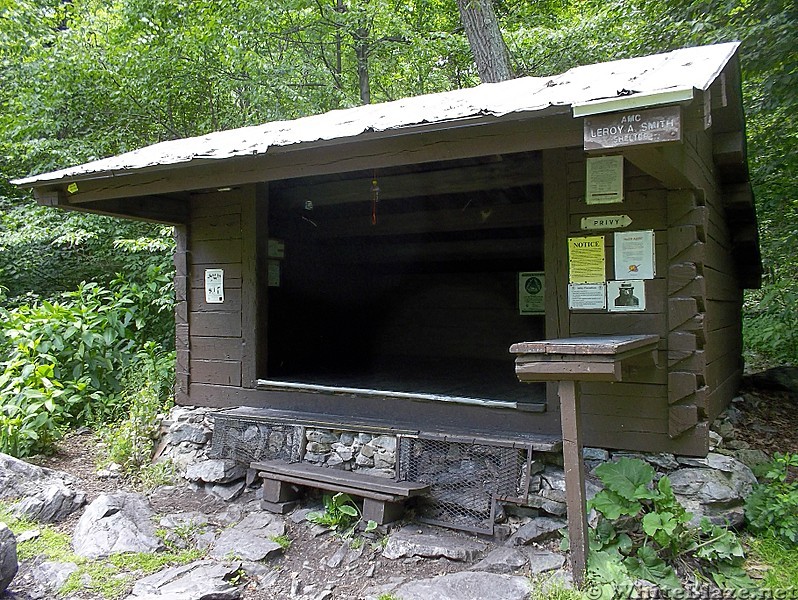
(574, 477)
(568, 361)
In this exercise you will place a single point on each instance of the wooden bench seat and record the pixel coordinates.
(382, 497)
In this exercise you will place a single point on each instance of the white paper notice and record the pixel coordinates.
(214, 286)
(604, 180)
(585, 296)
(634, 255)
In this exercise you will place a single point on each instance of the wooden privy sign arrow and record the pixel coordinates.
(606, 222)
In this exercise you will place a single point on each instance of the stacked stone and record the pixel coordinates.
(349, 451)
(187, 433)
(713, 487)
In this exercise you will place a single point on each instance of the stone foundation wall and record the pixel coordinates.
(187, 432)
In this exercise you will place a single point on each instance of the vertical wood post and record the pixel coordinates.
(574, 477)
(249, 288)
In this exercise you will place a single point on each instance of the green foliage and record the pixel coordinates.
(643, 532)
(282, 540)
(64, 362)
(772, 507)
(340, 514)
(778, 557)
(147, 393)
(547, 587)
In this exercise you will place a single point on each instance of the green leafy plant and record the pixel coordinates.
(65, 363)
(643, 532)
(283, 540)
(772, 507)
(340, 514)
(147, 394)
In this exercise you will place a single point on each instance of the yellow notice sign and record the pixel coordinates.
(586, 259)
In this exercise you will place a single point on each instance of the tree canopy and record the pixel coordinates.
(83, 79)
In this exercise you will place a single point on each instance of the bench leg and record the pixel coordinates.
(380, 511)
(278, 496)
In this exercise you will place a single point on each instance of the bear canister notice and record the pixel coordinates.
(632, 128)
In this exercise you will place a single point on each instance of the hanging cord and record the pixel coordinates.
(375, 197)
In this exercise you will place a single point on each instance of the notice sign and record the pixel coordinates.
(531, 291)
(604, 180)
(651, 126)
(586, 259)
(214, 286)
(584, 296)
(626, 296)
(634, 255)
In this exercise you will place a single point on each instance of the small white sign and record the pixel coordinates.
(214, 286)
(634, 255)
(531, 293)
(626, 296)
(586, 296)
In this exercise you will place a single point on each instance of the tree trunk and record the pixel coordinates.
(362, 55)
(485, 38)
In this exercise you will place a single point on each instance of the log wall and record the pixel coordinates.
(219, 237)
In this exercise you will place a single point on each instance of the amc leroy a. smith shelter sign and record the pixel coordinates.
(652, 126)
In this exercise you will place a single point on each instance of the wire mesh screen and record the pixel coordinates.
(466, 479)
(245, 440)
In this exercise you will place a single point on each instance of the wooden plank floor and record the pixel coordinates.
(483, 380)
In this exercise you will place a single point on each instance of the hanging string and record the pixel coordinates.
(375, 197)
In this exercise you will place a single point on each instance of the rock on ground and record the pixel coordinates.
(49, 577)
(47, 496)
(408, 542)
(718, 492)
(538, 529)
(216, 470)
(200, 580)
(466, 585)
(119, 522)
(8, 557)
(251, 539)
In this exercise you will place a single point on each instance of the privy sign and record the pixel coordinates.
(631, 128)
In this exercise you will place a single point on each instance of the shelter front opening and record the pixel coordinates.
(405, 280)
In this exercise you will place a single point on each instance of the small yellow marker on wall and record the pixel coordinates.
(72, 188)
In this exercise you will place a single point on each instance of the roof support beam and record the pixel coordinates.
(154, 209)
(339, 157)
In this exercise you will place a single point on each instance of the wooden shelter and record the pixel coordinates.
(369, 268)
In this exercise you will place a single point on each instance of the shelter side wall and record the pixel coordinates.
(634, 414)
(723, 295)
(216, 340)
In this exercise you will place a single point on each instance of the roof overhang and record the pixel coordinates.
(523, 114)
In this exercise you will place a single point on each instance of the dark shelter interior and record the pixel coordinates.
(392, 281)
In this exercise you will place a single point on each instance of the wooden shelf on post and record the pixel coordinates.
(570, 361)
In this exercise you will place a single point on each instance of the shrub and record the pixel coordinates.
(772, 507)
(64, 361)
(643, 532)
(148, 394)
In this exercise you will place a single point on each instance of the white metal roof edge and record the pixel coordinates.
(632, 102)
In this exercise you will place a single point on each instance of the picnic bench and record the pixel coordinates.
(383, 498)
